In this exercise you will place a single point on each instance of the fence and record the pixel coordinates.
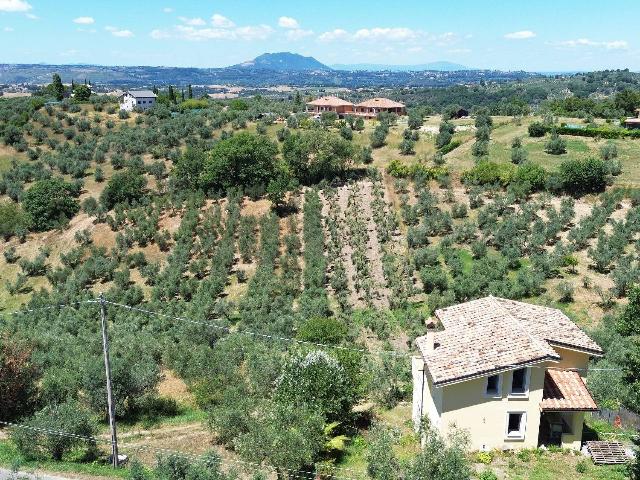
(621, 417)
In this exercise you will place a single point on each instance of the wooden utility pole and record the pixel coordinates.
(107, 367)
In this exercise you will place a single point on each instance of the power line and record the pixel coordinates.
(50, 307)
(258, 334)
(315, 344)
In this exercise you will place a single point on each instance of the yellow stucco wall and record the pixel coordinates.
(485, 419)
(571, 359)
(465, 406)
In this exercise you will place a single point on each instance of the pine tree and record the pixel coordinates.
(189, 91)
(57, 87)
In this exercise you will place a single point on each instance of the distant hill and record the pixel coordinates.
(283, 61)
(378, 67)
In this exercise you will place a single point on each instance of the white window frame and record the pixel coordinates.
(527, 380)
(523, 427)
(498, 393)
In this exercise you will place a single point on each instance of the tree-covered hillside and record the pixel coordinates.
(265, 273)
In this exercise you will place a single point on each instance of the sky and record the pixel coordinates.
(540, 35)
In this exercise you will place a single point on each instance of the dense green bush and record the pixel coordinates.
(488, 172)
(68, 417)
(13, 219)
(244, 160)
(583, 176)
(532, 174)
(50, 203)
(537, 129)
(318, 154)
(125, 186)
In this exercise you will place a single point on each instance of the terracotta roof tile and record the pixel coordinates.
(491, 334)
(329, 101)
(380, 102)
(565, 390)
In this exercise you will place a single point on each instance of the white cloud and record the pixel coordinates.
(159, 34)
(337, 34)
(298, 34)
(167, 10)
(31, 16)
(14, 6)
(398, 33)
(257, 32)
(288, 22)
(188, 32)
(585, 42)
(459, 51)
(221, 21)
(7, 29)
(117, 32)
(393, 34)
(84, 20)
(196, 22)
(520, 35)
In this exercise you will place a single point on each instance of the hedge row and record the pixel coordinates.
(595, 132)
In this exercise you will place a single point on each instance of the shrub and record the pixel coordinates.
(49, 203)
(13, 219)
(488, 172)
(452, 145)
(319, 381)
(407, 147)
(484, 457)
(487, 475)
(123, 187)
(583, 176)
(531, 173)
(537, 129)
(434, 278)
(565, 291)
(68, 417)
(608, 151)
(555, 145)
(325, 330)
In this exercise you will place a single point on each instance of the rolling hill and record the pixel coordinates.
(441, 66)
(283, 61)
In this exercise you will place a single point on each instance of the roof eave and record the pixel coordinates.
(569, 409)
(495, 371)
(590, 351)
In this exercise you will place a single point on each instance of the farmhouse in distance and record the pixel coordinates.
(141, 99)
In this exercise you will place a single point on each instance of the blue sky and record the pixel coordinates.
(540, 35)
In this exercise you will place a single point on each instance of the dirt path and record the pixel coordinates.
(374, 249)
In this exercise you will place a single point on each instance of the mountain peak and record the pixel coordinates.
(283, 61)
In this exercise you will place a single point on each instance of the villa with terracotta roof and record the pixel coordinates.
(368, 108)
(633, 122)
(371, 108)
(509, 373)
(330, 104)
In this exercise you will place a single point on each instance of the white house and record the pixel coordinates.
(509, 373)
(142, 99)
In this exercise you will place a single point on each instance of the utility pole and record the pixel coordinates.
(107, 367)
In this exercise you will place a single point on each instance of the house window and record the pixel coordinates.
(516, 424)
(520, 382)
(138, 102)
(492, 388)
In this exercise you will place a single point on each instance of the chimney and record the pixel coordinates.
(430, 341)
